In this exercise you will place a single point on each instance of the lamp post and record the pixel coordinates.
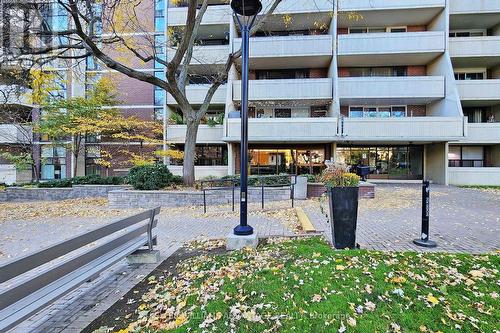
(245, 12)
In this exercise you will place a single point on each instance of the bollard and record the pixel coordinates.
(424, 236)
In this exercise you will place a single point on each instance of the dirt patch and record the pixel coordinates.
(123, 312)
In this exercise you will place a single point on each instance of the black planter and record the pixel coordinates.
(343, 215)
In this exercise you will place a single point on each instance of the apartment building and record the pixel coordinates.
(410, 88)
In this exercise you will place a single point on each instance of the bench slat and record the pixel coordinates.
(29, 305)
(40, 280)
(24, 264)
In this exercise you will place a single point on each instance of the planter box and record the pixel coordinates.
(366, 190)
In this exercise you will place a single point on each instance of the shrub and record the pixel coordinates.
(310, 178)
(150, 177)
(56, 183)
(336, 175)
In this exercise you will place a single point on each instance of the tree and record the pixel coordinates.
(83, 38)
(78, 118)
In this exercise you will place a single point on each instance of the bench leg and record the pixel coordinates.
(144, 256)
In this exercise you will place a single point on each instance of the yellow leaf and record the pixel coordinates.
(476, 273)
(398, 279)
(181, 319)
(432, 299)
(340, 267)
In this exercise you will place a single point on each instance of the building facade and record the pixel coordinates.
(410, 88)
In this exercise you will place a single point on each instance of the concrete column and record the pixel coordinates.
(436, 163)
(334, 151)
(230, 159)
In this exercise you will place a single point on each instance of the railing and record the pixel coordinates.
(206, 133)
(286, 89)
(483, 132)
(303, 6)
(196, 94)
(259, 182)
(289, 46)
(10, 133)
(220, 14)
(479, 89)
(486, 46)
(474, 6)
(353, 5)
(284, 129)
(205, 54)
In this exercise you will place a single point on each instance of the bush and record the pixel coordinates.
(310, 178)
(56, 183)
(336, 175)
(150, 177)
(98, 180)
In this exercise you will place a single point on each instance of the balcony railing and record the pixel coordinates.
(358, 5)
(403, 90)
(487, 46)
(413, 48)
(476, 6)
(294, 6)
(284, 129)
(10, 133)
(214, 15)
(483, 133)
(295, 89)
(206, 134)
(289, 46)
(196, 94)
(484, 90)
(404, 129)
(205, 55)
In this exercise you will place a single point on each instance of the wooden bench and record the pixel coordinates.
(32, 290)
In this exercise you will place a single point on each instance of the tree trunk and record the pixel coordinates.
(190, 152)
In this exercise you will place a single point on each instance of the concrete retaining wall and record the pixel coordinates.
(474, 176)
(145, 199)
(54, 194)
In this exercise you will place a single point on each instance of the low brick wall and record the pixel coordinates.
(147, 199)
(3, 196)
(366, 190)
(54, 194)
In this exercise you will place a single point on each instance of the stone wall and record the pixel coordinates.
(54, 194)
(148, 199)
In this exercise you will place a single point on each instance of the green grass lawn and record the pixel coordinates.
(306, 286)
(481, 187)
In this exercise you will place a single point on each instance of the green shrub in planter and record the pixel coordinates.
(150, 177)
(56, 183)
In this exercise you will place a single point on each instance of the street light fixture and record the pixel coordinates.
(245, 12)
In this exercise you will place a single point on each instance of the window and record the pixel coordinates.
(53, 164)
(92, 156)
(466, 156)
(158, 114)
(159, 94)
(377, 71)
(470, 76)
(282, 113)
(319, 111)
(396, 29)
(207, 156)
(377, 111)
(468, 33)
(282, 74)
(159, 15)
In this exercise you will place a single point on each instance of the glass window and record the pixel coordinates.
(158, 114)
(356, 112)
(384, 112)
(53, 164)
(376, 30)
(357, 30)
(282, 113)
(370, 112)
(398, 29)
(398, 111)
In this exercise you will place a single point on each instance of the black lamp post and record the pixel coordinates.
(245, 12)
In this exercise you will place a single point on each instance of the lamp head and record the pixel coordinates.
(246, 8)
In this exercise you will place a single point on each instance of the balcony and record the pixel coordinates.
(475, 51)
(204, 55)
(394, 49)
(402, 129)
(10, 133)
(14, 95)
(476, 6)
(214, 15)
(295, 89)
(479, 92)
(206, 134)
(284, 130)
(361, 5)
(196, 95)
(296, 7)
(391, 90)
(482, 133)
(310, 51)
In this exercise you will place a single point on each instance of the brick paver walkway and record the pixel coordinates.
(462, 220)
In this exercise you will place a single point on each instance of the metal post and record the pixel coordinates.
(244, 229)
(262, 194)
(204, 201)
(424, 236)
(233, 195)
